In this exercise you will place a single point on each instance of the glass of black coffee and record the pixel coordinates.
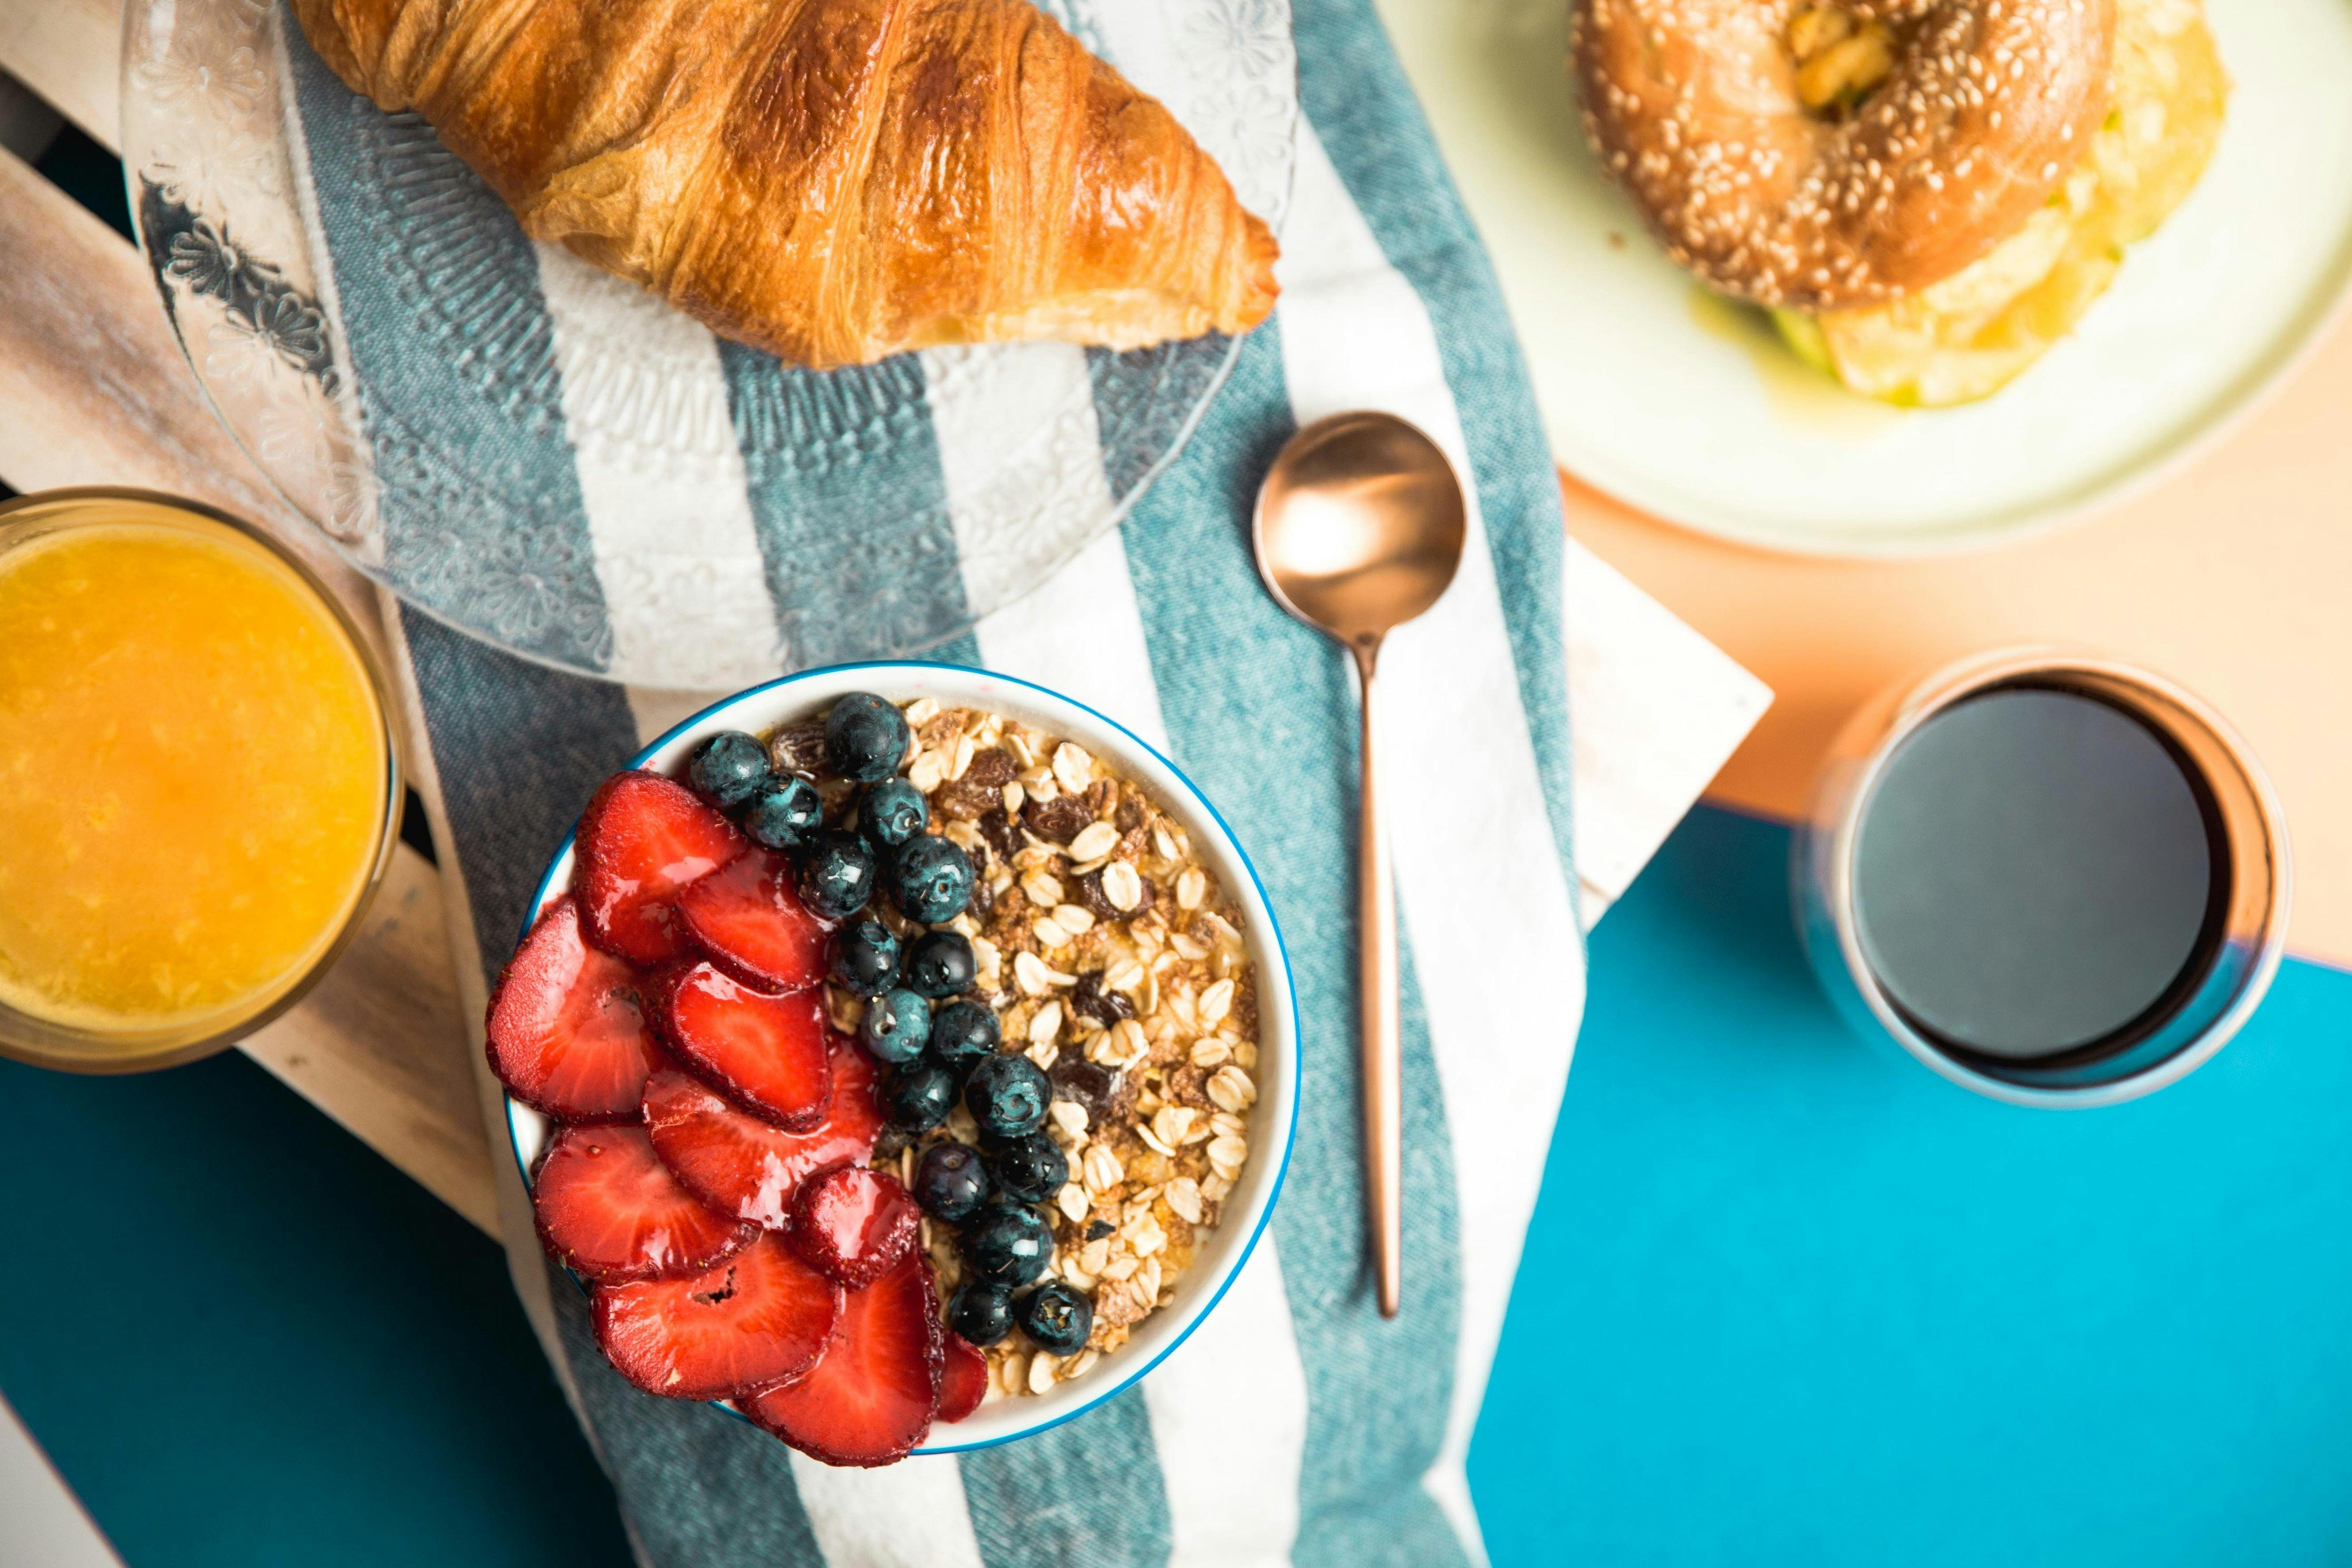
(2054, 879)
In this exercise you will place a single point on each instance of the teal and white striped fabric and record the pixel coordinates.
(1296, 1426)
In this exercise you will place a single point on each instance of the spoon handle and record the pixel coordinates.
(1383, 1068)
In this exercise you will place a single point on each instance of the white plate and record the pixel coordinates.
(1677, 404)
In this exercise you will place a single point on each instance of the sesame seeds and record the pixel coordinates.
(1964, 136)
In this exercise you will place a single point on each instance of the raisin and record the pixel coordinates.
(1099, 1229)
(965, 802)
(799, 748)
(992, 769)
(1097, 1001)
(1090, 1083)
(1091, 894)
(1057, 820)
(1003, 837)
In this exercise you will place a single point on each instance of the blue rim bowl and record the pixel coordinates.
(1251, 1205)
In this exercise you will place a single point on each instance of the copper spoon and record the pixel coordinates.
(1359, 526)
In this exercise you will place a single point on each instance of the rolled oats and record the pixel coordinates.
(1122, 885)
(1113, 958)
(1072, 766)
(1103, 1170)
(1094, 842)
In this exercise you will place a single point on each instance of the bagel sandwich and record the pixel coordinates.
(1927, 195)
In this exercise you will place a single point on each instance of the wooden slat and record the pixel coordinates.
(380, 1045)
(65, 51)
(94, 391)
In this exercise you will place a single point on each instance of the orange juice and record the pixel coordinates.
(194, 772)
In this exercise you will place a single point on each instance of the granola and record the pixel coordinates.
(1114, 960)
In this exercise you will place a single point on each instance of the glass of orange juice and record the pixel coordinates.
(199, 784)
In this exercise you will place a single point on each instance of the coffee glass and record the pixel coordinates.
(2229, 967)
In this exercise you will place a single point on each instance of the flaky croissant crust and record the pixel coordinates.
(833, 180)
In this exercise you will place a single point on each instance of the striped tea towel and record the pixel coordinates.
(1296, 1424)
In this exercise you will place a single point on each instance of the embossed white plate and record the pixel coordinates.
(553, 460)
(1681, 406)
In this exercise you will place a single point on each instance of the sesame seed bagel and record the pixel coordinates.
(1975, 114)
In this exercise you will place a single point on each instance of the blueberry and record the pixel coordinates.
(1007, 1243)
(950, 1181)
(896, 1025)
(892, 812)
(930, 880)
(865, 957)
(982, 1312)
(918, 1096)
(864, 737)
(1031, 1169)
(784, 814)
(964, 1034)
(730, 768)
(1007, 1096)
(1058, 1318)
(939, 965)
(836, 876)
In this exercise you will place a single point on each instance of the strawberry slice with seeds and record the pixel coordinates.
(749, 919)
(766, 1050)
(761, 1318)
(853, 1225)
(609, 1210)
(566, 1032)
(642, 839)
(870, 1400)
(742, 1166)
(963, 1379)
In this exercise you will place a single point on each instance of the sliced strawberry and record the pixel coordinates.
(608, 1209)
(742, 1166)
(853, 1225)
(566, 1032)
(766, 1050)
(963, 1380)
(642, 838)
(748, 919)
(757, 1320)
(870, 1400)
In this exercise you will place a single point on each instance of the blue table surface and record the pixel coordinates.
(1787, 1299)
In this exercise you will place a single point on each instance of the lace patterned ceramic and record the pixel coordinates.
(494, 389)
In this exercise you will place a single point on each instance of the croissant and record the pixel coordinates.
(833, 180)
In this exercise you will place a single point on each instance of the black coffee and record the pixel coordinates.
(2039, 873)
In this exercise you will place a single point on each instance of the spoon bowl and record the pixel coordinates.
(1360, 526)
(1359, 529)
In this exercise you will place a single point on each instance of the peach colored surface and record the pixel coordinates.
(2233, 577)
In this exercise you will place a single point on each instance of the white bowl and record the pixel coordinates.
(1274, 1120)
